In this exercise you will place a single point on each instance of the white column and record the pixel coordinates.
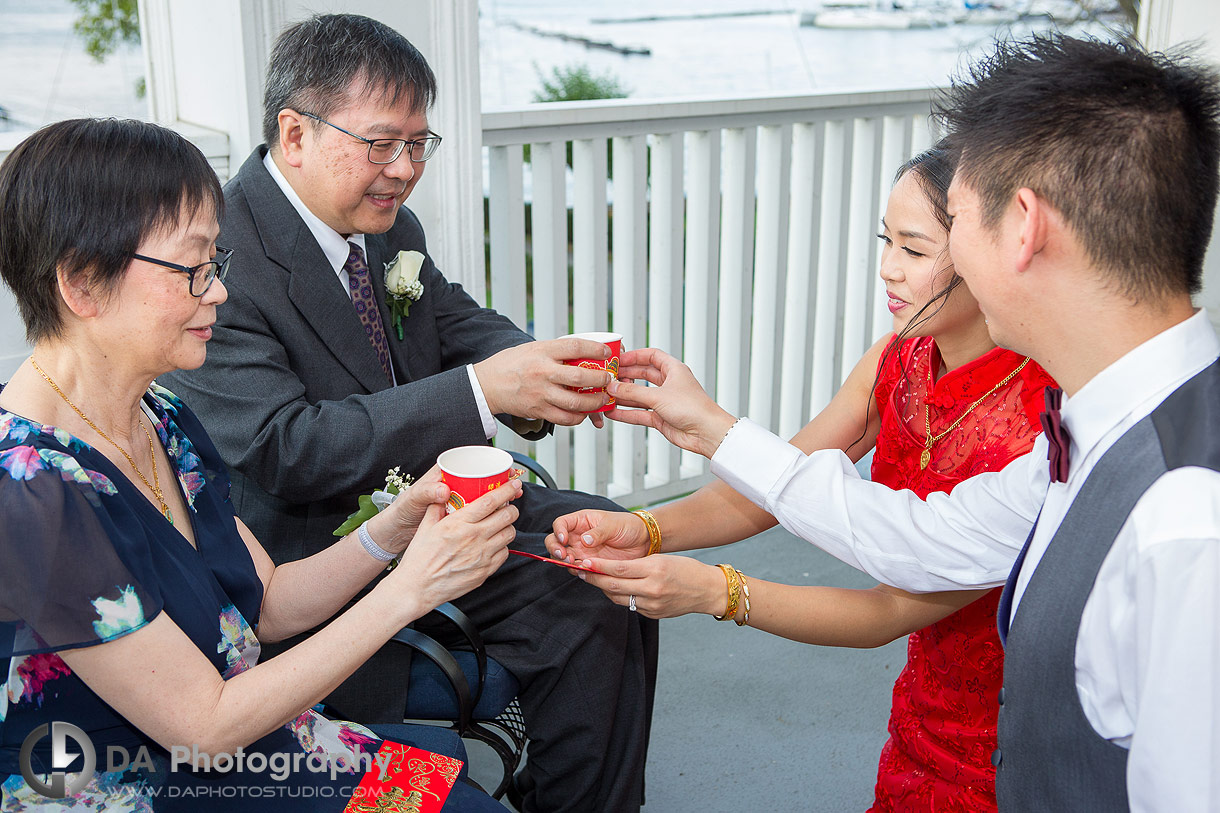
(206, 64)
(1164, 24)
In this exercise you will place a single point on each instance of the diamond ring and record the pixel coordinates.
(631, 603)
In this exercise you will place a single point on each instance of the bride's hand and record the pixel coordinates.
(664, 585)
(677, 406)
(604, 534)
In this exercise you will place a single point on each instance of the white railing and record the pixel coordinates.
(741, 239)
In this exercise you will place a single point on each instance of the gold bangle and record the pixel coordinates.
(745, 599)
(654, 531)
(734, 587)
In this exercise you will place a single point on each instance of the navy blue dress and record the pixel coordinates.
(85, 558)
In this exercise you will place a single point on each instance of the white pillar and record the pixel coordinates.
(206, 64)
(1164, 24)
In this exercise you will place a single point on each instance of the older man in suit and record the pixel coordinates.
(311, 396)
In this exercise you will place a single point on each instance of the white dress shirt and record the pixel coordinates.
(335, 247)
(1148, 651)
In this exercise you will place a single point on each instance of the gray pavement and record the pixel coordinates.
(746, 721)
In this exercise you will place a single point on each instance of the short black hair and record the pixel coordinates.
(315, 61)
(82, 194)
(1122, 142)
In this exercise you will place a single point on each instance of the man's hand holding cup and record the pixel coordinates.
(534, 381)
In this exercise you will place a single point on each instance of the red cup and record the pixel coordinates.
(472, 471)
(612, 340)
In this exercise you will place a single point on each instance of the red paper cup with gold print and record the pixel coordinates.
(612, 340)
(472, 471)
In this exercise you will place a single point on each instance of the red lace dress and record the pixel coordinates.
(943, 718)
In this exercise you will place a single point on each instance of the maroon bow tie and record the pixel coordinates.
(1058, 439)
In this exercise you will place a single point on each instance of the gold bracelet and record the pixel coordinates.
(734, 586)
(745, 599)
(654, 531)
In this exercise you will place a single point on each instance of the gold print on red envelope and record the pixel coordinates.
(414, 781)
(394, 800)
(447, 768)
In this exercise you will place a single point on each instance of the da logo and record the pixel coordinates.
(612, 366)
(456, 503)
(80, 763)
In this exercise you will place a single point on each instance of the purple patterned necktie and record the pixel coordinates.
(361, 286)
(1058, 439)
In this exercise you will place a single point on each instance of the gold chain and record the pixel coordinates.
(926, 456)
(155, 485)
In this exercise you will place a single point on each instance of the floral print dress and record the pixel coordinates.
(85, 559)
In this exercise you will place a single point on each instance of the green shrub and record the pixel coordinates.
(576, 83)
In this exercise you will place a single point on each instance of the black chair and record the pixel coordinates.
(440, 690)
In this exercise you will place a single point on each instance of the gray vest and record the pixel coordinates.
(1050, 758)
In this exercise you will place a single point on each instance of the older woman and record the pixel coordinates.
(130, 594)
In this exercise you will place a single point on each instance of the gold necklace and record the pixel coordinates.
(926, 456)
(155, 485)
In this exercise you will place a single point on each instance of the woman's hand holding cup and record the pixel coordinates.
(677, 406)
(399, 522)
(451, 555)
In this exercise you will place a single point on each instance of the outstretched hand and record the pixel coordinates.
(604, 534)
(677, 406)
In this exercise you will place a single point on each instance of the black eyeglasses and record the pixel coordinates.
(387, 150)
(202, 275)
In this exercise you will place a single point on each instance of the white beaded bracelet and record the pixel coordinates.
(376, 551)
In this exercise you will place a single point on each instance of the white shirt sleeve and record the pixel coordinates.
(489, 420)
(1171, 679)
(967, 540)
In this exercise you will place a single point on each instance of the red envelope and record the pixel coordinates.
(559, 562)
(414, 780)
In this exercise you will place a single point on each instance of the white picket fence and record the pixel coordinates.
(742, 239)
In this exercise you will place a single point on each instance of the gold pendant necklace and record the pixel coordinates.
(155, 485)
(926, 456)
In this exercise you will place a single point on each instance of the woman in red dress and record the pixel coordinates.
(939, 402)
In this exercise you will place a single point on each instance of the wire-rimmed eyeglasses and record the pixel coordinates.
(202, 275)
(387, 150)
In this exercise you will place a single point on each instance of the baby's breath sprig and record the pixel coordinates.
(395, 482)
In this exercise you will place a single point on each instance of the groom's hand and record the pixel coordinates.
(676, 406)
(531, 381)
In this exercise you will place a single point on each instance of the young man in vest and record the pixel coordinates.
(1083, 204)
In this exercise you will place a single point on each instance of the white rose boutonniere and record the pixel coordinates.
(402, 285)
